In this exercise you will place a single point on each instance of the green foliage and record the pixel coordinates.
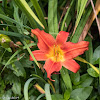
(80, 10)
(57, 97)
(47, 92)
(39, 12)
(66, 78)
(67, 17)
(92, 72)
(26, 88)
(29, 13)
(67, 94)
(6, 95)
(96, 55)
(15, 82)
(18, 74)
(75, 77)
(81, 93)
(81, 25)
(52, 17)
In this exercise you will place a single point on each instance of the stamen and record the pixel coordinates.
(57, 53)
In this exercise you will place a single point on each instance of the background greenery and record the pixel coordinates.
(23, 79)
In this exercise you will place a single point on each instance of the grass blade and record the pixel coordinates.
(30, 52)
(40, 96)
(11, 20)
(29, 13)
(84, 61)
(52, 17)
(34, 75)
(67, 15)
(26, 88)
(81, 25)
(82, 7)
(47, 92)
(10, 60)
(13, 34)
(39, 12)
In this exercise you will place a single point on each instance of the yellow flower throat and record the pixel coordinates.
(56, 54)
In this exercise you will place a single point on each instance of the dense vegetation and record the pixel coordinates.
(22, 79)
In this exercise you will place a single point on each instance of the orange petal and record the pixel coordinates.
(51, 67)
(39, 55)
(74, 53)
(72, 50)
(71, 65)
(45, 40)
(62, 37)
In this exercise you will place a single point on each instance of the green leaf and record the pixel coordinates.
(26, 62)
(81, 25)
(14, 81)
(2, 87)
(67, 17)
(78, 6)
(89, 52)
(32, 97)
(86, 80)
(8, 62)
(67, 94)
(84, 61)
(56, 83)
(16, 15)
(96, 54)
(29, 13)
(62, 85)
(4, 3)
(92, 72)
(19, 70)
(52, 17)
(57, 97)
(75, 77)
(34, 75)
(81, 93)
(6, 95)
(30, 52)
(66, 78)
(16, 88)
(1, 11)
(39, 12)
(26, 88)
(40, 96)
(11, 21)
(11, 33)
(47, 92)
(80, 11)
(11, 58)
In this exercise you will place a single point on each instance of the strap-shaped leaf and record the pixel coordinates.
(29, 13)
(52, 17)
(84, 61)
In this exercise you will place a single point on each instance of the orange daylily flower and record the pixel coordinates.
(57, 53)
